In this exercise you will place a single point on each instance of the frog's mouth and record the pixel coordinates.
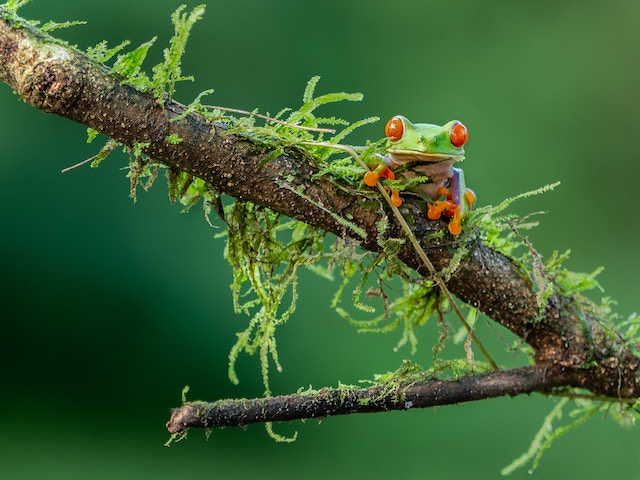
(403, 156)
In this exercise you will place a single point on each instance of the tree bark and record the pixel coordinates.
(571, 348)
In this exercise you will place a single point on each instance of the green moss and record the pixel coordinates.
(51, 25)
(173, 139)
(101, 53)
(12, 6)
(129, 65)
(167, 74)
(266, 253)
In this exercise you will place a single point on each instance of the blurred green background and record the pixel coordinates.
(111, 307)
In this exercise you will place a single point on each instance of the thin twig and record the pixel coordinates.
(90, 159)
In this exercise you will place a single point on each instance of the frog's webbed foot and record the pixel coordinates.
(449, 208)
(382, 171)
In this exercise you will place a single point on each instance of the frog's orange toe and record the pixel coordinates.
(470, 197)
(396, 201)
(454, 227)
(433, 213)
(371, 178)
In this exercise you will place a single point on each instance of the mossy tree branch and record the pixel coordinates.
(347, 400)
(571, 348)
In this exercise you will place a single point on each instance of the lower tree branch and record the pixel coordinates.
(571, 347)
(346, 400)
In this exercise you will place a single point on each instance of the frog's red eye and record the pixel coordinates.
(394, 129)
(458, 134)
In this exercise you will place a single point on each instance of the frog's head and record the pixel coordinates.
(423, 142)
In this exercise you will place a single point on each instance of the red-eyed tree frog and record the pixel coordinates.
(427, 150)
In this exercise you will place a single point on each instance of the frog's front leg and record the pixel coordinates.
(452, 202)
(382, 171)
